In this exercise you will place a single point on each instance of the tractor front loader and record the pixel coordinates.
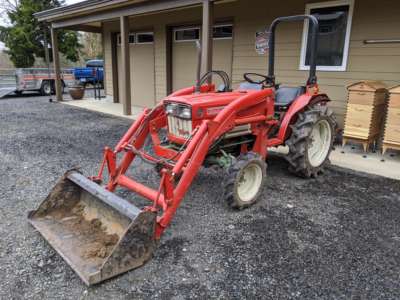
(101, 235)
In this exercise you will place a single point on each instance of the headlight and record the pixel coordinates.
(185, 113)
(178, 110)
(170, 109)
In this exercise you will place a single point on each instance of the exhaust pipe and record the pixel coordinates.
(198, 71)
(99, 234)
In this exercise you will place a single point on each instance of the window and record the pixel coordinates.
(132, 38)
(187, 34)
(145, 37)
(223, 32)
(334, 35)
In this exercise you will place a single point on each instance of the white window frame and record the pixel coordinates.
(186, 28)
(223, 25)
(199, 28)
(311, 6)
(143, 32)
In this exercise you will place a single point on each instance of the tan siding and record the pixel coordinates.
(366, 62)
(107, 60)
(159, 23)
(372, 62)
(160, 62)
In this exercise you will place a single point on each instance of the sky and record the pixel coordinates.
(67, 2)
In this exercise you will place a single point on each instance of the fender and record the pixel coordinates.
(298, 105)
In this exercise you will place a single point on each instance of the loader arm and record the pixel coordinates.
(101, 235)
(188, 162)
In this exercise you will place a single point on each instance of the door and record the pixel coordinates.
(184, 54)
(142, 68)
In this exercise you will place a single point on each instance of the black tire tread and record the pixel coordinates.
(297, 142)
(233, 171)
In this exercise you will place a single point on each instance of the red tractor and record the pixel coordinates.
(193, 127)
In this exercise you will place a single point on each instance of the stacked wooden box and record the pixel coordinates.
(365, 112)
(392, 128)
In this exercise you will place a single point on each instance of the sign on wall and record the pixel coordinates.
(262, 42)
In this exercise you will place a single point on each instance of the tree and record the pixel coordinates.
(26, 37)
(92, 46)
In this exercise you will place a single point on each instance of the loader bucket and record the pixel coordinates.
(99, 234)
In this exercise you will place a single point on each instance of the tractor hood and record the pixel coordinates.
(205, 105)
(205, 98)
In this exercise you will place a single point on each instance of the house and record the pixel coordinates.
(149, 46)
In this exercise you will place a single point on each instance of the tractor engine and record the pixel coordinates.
(183, 117)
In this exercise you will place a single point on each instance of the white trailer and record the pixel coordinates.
(33, 79)
(8, 82)
(41, 80)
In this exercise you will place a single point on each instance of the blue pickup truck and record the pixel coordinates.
(93, 73)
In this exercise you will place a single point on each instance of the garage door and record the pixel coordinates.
(142, 68)
(184, 54)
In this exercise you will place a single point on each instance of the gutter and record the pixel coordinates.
(99, 10)
(81, 7)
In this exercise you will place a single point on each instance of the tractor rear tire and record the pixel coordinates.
(311, 141)
(246, 181)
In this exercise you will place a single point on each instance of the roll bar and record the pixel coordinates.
(312, 79)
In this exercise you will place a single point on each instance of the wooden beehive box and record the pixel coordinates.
(392, 127)
(365, 111)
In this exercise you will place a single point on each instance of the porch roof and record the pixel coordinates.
(92, 12)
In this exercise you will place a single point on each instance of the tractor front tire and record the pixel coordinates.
(246, 181)
(311, 141)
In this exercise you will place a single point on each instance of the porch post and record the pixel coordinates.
(56, 61)
(125, 81)
(46, 53)
(207, 36)
(114, 66)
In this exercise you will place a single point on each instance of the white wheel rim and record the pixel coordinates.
(249, 182)
(47, 89)
(320, 144)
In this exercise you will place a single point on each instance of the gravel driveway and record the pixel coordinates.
(334, 237)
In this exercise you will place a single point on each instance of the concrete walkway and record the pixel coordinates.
(353, 157)
(387, 165)
(350, 156)
(105, 106)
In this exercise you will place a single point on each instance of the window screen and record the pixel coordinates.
(131, 38)
(145, 38)
(223, 32)
(332, 35)
(187, 34)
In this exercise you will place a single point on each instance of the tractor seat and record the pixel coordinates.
(284, 96)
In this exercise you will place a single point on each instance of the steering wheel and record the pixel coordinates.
(264, 79)
(222, 75)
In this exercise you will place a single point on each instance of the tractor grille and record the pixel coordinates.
(179, 127)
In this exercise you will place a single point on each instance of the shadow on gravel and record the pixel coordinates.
(337, 236)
